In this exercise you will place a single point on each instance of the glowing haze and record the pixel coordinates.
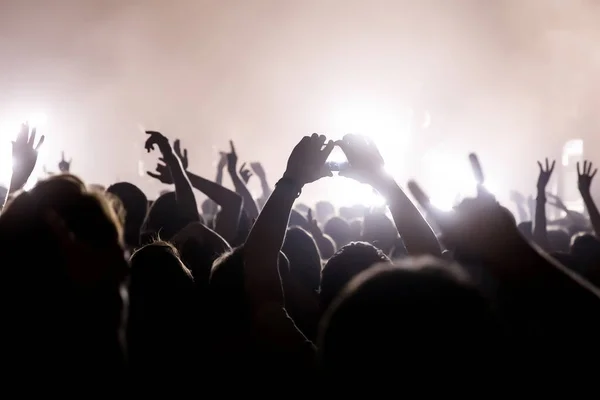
(507, 79)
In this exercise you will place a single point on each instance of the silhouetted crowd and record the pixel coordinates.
(110, 293)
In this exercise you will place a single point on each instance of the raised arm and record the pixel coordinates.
(366, 166)
(64, 166)
(262, 176)
(306, 164)
(584, 183)
(213, 207)
(230, 202)
(240, 187)
(183, 189)
(536, 293)
(24, 155)
(540, 230)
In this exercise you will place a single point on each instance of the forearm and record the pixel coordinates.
(592, 210)
(417, 235)
(264, 243)
(250, 206)
(183, 188)
(230, 202)
(214, 191)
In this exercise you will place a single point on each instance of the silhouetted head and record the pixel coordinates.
(164, 217)
(585, 248)
(584, 243)
(135, 203)
(356, 230)
(348, 262)
(323, 211)
(229, 303)
(67, 267)
(421, 316)
(379, 230)
(559, 240)
(208, 208)
(162, 314)
(303, 254)
(339, 230)
(159, 280)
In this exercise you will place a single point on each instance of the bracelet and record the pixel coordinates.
(291, 184)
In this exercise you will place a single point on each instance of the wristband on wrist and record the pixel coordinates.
(291, 184)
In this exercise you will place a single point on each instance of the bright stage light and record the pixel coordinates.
(37, 120)
(345, 192)
(388, 127)
(10, 126)
(450, 179)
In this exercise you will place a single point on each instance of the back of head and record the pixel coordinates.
(380, 230)
(584, 243)
(324, 210)
(339, 230)
(348, 262)
(559, 240)
(135, 203)
(164, 218)
(159, 277)
(228, 302)
(304, 258)
(68, 265)
(162, 312)
(226, 292)
(585, 248)
(419, 317)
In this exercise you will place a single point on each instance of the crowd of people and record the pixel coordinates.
(108, 290)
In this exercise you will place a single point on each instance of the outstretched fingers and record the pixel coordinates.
(40, 143)
(153, 175)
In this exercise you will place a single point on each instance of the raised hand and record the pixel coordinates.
(245, 173)
(24, 155)
(64, 166)
(313, 225)
(545, 175)
(258, 170)
(163, 173)
(585, 177)
(183, 156)
(307, 161)
(366, 163)
(232, 158)
(222, 161)
(46, 172)
(157, 139)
